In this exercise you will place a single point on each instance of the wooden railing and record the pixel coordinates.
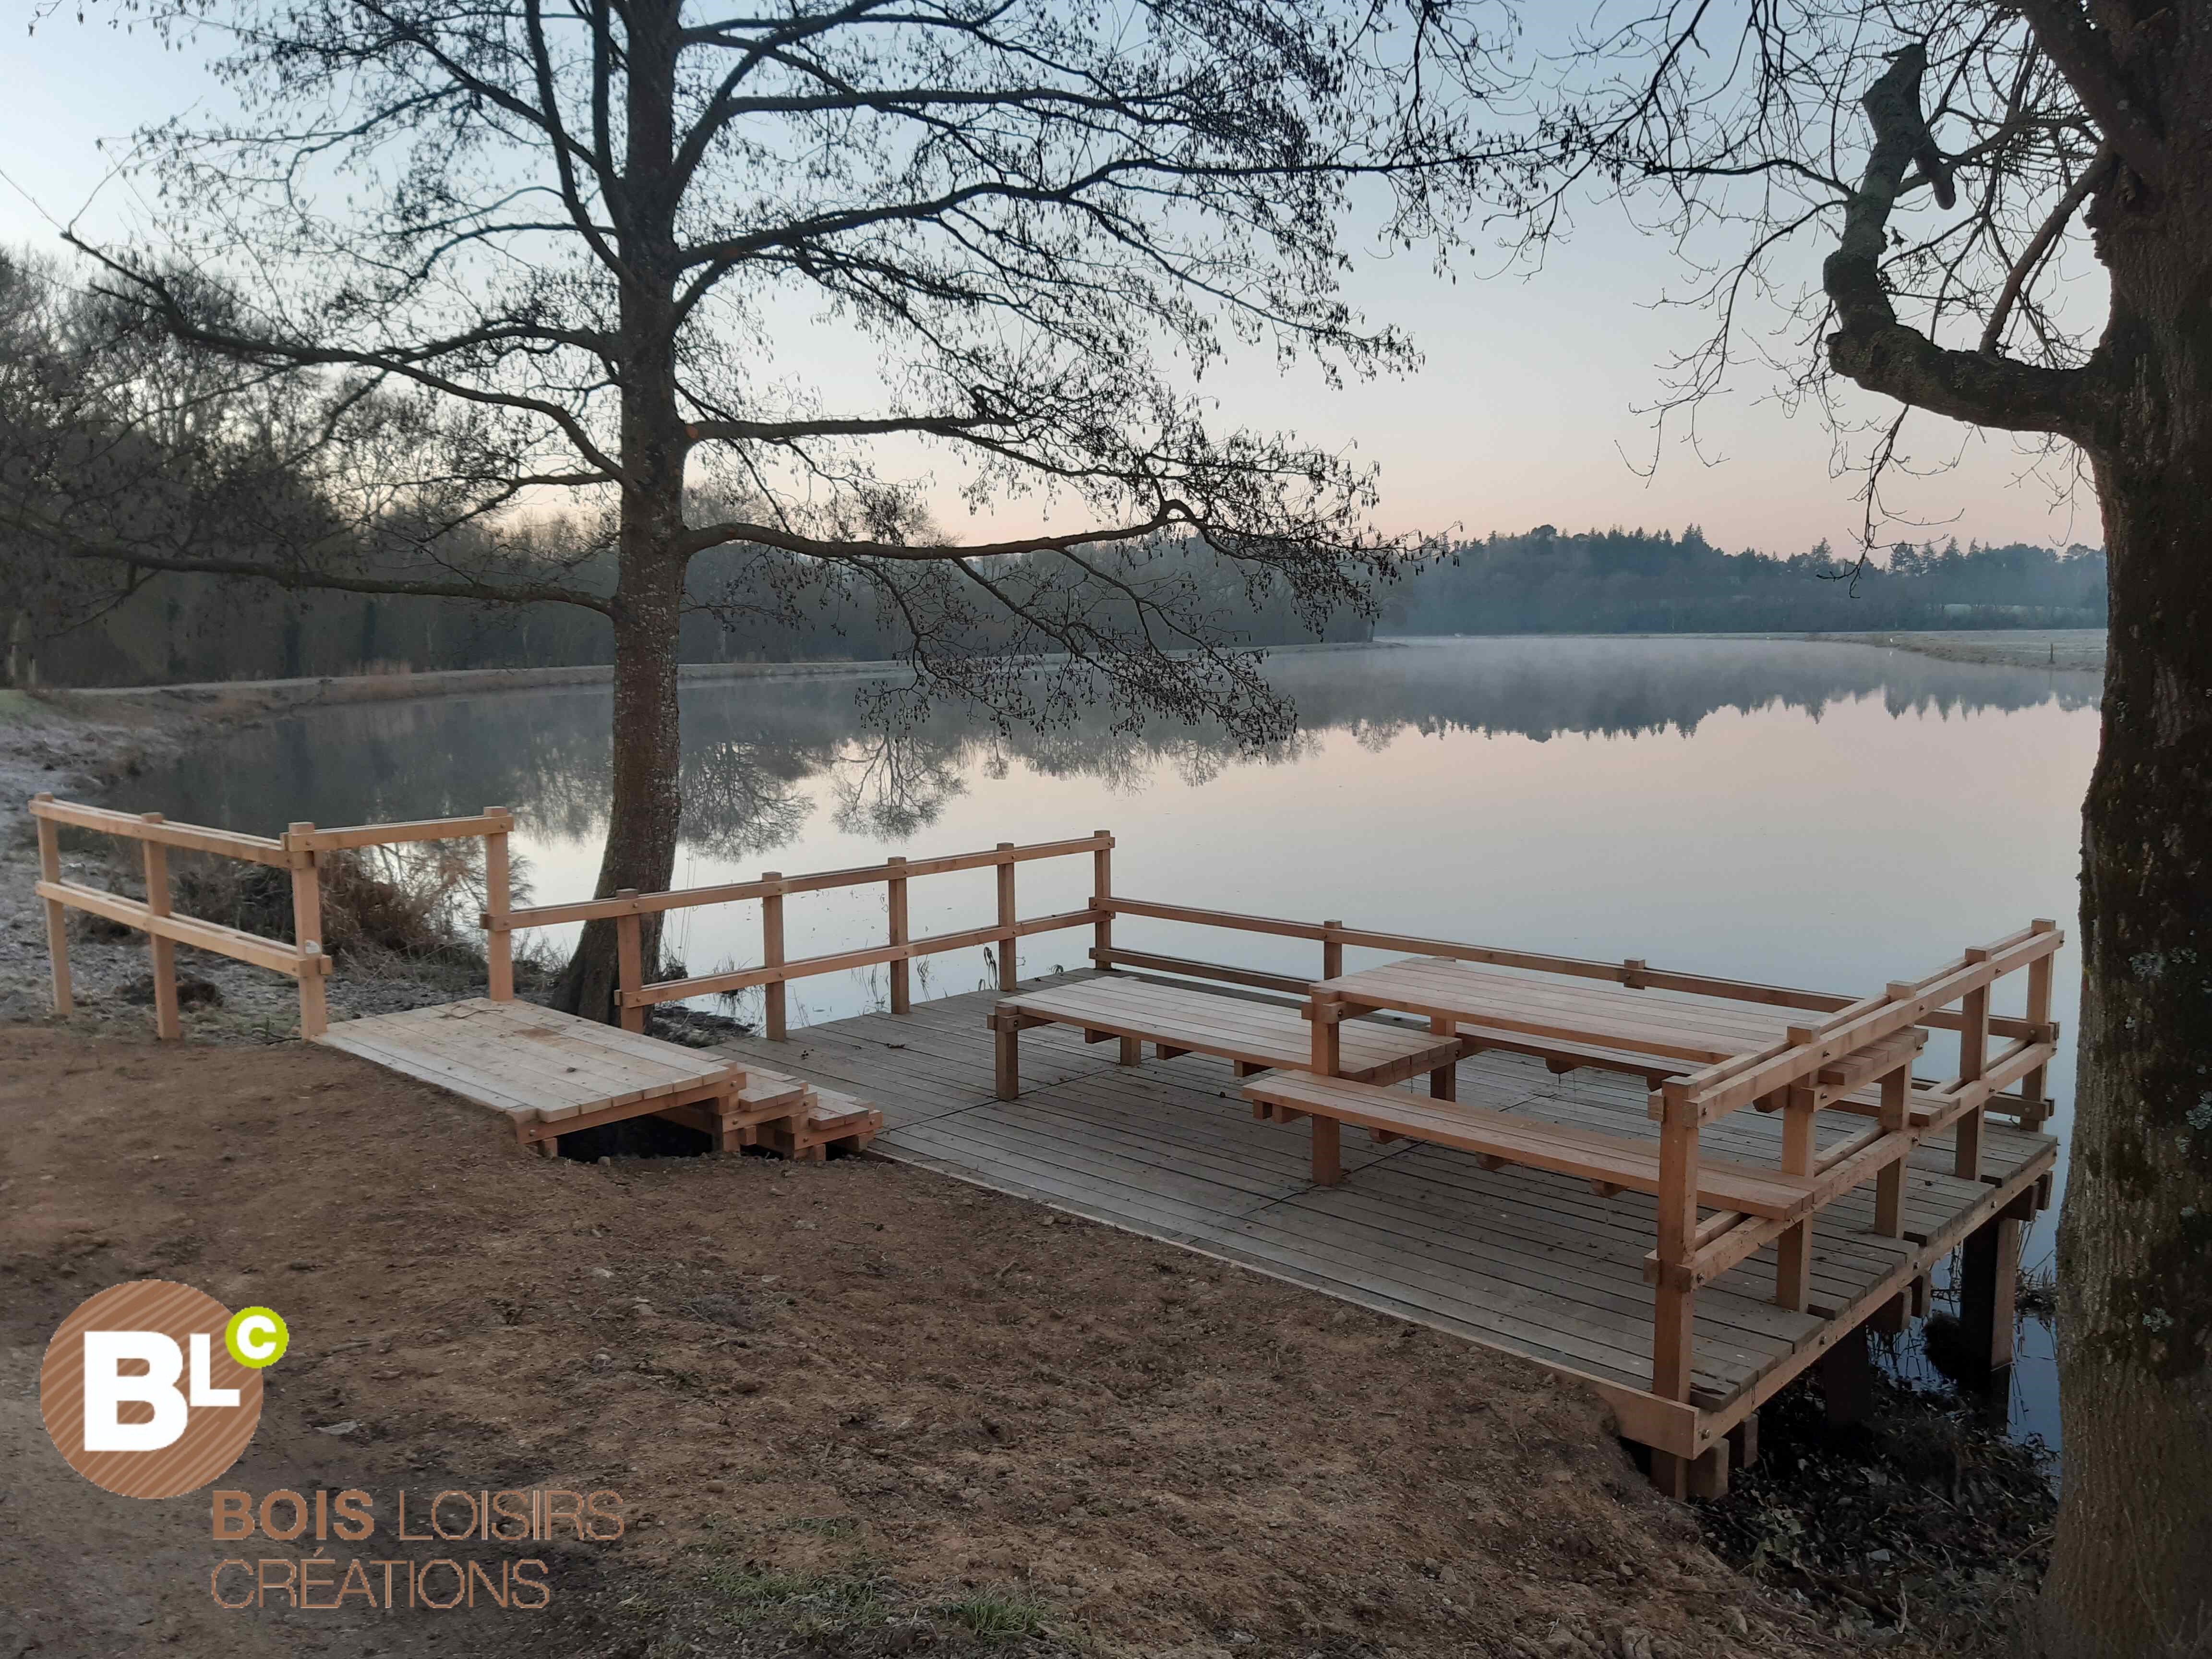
(298, 850)
(626, 908)
(1334, 935)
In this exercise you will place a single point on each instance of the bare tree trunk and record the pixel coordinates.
(648, 751)
(2131, 1574)
(647, 808)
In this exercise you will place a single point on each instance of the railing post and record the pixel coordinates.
(167, 1025)
(1889, 1185)
(772, 957)
(1675, 1308)
(307, 929)
(499, 944)
(1332, 950)
(1101, 888)
(2034, 1086)
(895, 901)
(1793, 1251)
(629, 965)
(1006, 918)
(50, 870)
(1973, 1057)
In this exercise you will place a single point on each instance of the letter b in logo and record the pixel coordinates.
(140, 1396)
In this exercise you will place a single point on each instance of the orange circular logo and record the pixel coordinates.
(145, 1390)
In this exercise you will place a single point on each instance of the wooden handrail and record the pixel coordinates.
(208, 935)
(298, 850)
(308, 839)
(255, 849)
(687, 898)
(675, 990)
(1724, 1086)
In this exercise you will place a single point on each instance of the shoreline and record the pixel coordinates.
(2077, 650)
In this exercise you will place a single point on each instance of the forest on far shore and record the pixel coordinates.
(1634, 581)
(185, 628)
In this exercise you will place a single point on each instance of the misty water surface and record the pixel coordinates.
(1824, 815)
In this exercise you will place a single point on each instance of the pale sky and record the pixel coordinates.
(1528, 410)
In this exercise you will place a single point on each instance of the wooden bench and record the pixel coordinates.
(1256, 1037)
(1611, 1162)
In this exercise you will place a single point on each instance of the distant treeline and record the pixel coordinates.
(1635, 581)
(181, 628)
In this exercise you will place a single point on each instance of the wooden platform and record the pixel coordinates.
(552, 1074)
(1516, 1259)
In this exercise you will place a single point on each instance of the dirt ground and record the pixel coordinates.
(854, 1409)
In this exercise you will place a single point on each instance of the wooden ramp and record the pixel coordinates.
(1516, 1259)
(552, 1074)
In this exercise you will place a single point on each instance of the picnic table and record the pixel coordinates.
(1569, 1024)
(1660, 1033)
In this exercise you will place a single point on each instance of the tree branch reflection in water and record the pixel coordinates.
(756, 748)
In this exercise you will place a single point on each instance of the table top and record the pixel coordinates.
(1673, 1023)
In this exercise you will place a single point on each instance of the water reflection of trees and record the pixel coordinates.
(754, 749)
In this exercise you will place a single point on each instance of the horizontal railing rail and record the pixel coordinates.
(1634, 973)
(686, 898)
(634, 993)
(298, 850)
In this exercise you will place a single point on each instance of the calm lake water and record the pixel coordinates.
(1823, 815)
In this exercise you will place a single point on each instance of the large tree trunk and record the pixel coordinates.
(2132, 1572)
(646, 807)
(648, 752)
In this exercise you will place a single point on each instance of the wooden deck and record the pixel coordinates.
(1515, 1258)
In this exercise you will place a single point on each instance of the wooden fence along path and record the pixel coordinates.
(1578, 1185)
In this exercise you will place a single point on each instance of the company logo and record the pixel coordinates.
(152, 1389)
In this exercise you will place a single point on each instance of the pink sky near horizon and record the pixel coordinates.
(1531, 406)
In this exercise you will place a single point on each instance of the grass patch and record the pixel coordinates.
(995, 1615)
(825, 1526)
(805, 1602)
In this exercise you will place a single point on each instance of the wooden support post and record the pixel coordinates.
(1443, 1082)
(1744, 1444)
(1327, 1150)
(1007, 978)
(1704, 1477)
(772, 1003)
(1973, 1057)
(167, 1025)
(895, 901)
(1847, 1379)
(630, 962)
(306, 931)
(1889, 1185)
(1793, 1251)
(1101, 888)
(2036, 1085)
(1131, 1052)
(1324, 1009)
(1332, 950)
(499, 899)
(50, 869)
(1988, 1277)
(1674, 1307)
(1006, 1046)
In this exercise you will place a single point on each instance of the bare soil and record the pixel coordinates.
(854, 1408)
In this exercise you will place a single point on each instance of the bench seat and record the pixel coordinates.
(1177, 1019)
(1504, 1137)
